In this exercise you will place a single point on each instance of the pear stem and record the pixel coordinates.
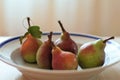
(108, 39)
(63, 30)
(28, 20)
(50, 36)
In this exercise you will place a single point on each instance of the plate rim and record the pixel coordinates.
(54, 71)
(54, 33)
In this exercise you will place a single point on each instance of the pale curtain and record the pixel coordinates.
(96, 17)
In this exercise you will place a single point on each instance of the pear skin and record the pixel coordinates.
(92, 54)
(65, 42)
(63, 60)
(44, 55)
(89, 56)
(29, 49)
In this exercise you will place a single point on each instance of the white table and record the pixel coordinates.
(8, 72)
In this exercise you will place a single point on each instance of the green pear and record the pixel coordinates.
(92, 54)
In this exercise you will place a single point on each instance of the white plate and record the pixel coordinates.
(10, 54)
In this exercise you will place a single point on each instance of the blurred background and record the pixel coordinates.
(96, 17)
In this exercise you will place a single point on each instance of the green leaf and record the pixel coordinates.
(35, 31)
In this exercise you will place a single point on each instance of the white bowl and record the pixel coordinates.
(10, 54)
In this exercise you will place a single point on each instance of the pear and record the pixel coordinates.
(92, 54)
(44, 55)
(65, 42)
(63, 60)
(29, 49)
(31, 43)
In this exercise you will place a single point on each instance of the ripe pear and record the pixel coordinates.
(44, 55)
(63, 60)
(31, 43)
(65, 42)
(92, 54)
(29, 49)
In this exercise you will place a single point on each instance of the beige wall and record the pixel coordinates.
(97, 17)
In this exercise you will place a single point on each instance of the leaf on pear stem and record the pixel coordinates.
(35, 31)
